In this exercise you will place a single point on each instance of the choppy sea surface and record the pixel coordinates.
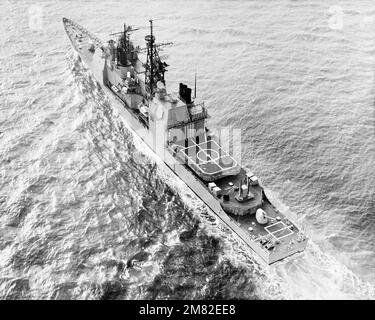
(87, 211)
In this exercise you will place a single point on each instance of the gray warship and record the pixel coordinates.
(173, 125)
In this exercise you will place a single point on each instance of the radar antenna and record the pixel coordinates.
(124, 48)
(155, 68)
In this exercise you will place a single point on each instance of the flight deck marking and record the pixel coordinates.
(212, 161)
(284, 227)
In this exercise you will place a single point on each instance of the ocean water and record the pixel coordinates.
(88, 212)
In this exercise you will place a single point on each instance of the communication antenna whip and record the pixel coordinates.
(195, 84)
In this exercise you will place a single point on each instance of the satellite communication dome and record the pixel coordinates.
(261, 216)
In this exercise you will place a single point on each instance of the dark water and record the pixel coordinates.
(87, 212)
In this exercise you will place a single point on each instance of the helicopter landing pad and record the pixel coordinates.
(208, 157)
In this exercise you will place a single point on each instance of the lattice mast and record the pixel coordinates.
(155, 68)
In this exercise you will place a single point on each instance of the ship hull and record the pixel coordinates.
(96, 64)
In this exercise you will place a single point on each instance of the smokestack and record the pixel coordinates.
(185, 93)
(182, 90)
(188, 95)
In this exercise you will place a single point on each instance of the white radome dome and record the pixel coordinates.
(261, 216)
